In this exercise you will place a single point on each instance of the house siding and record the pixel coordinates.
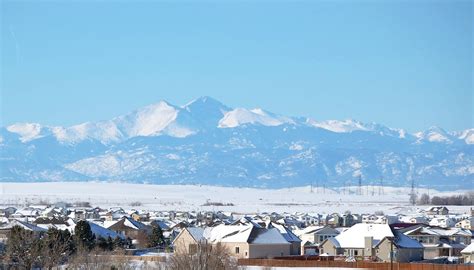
(269, 251)
(184, 242)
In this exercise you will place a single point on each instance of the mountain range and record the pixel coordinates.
(207, 142)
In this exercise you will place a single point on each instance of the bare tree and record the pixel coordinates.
(413, 198)
(107, 261)
(58, 245)
(23, 248)
(424, 199)
(206, 257)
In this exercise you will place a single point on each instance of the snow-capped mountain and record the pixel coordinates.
(207, 142)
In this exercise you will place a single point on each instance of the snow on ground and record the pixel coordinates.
(194, 197)
(302, 268)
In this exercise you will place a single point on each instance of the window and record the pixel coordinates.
(237, 250)
(356, 252)
(321, 238)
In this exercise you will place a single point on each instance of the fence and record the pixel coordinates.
(357, 264)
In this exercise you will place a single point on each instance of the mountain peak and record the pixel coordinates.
(204, 101)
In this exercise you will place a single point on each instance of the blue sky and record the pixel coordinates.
(406, 64)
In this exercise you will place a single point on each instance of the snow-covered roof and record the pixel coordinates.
(285, 232)
(244, 234)
(354, 237)
(228, 233)
(469, 249)
(24, 225)
(439, 231)
(98, 230)
(309, 230)
(196, 233)
(266, 236)
(129, 222)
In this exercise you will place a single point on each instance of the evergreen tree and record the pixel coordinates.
(84, 236)
(118, 243)
(110, 243)
(102, 243)
(156, 238)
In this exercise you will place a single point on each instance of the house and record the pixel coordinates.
(4, 230)
(100, 231)
(348, 220)
(443, 222)
(313, 236)
(437, 210)
(466, 223)
(249, 241)
(26, 214)
(6, 212)
(242, 241)
(295, 241)
(413, 219)
(380, 219)
(399, 248)
(364, 240)
(439, 242)
(53, 222)
(468, 254)
(334, 220)
(132, 229)
(188, 239)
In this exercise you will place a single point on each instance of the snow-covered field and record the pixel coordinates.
(195, 197)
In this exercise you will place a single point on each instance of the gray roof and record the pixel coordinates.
(334, 242)
(403, 241)
(196, 233)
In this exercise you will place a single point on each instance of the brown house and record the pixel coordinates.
(132, 229)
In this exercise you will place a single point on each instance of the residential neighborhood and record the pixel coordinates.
(373, 237)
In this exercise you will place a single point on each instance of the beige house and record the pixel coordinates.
(468, 254)
(467, 223)
(312, 236)
(373, 241)
(439, 242)
(242, 241)
(399, 248)
(293, 239)
(188, 239)
(437, 210)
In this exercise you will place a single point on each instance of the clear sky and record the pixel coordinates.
(406, 64)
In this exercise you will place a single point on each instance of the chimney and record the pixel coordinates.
(368, 240)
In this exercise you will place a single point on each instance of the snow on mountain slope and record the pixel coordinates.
(467, 135)
(434, 134)
(338, 126)
(105, 132)
(27, 131)
(205, 141)
(241, 116)
(152, 120)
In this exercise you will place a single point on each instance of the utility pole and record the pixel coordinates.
(412, 193)
(381, 186)
(360, 184)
